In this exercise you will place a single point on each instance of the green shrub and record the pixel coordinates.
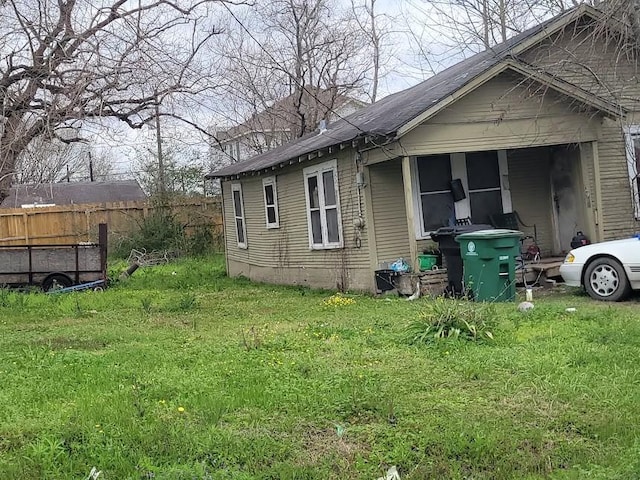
(445, 318)
(159, 231)
(202, 241)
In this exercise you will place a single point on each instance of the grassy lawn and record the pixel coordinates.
(182, 373)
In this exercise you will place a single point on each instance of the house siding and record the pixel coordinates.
(283, 255)
(617, 216)
(389, 211)
(530, 188)
(590, 198)
(507, 112)
(602, 68)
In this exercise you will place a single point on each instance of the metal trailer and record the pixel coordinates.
(55, 266)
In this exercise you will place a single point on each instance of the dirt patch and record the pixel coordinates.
(71, 343)
(322, 444)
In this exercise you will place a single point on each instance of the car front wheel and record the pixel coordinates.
(605, 280)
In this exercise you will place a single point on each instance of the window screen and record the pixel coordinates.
(434, 182)
(485, 192)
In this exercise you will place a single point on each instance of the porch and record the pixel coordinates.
(542, 272)
(550, 188)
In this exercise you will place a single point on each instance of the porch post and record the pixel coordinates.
(589, 199)
(596, 174)
(409, 206)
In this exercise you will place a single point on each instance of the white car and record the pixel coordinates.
(607, 270)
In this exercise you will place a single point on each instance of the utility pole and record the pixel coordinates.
(161, 186)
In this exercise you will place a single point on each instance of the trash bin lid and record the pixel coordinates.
(456, 230)
(490, 234)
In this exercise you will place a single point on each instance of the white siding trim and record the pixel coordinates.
(503, 165)
(237, 187)
(417, 204)
(265, 182)
(631, 131)
(459, 170)
(317, 171)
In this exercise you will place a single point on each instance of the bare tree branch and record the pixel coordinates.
(67, 60)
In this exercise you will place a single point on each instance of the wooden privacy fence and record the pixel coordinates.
(67, 224)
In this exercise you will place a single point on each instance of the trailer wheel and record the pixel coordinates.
(56, 281)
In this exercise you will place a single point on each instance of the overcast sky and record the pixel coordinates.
(407, 66)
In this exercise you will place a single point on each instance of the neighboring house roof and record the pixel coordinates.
(73, 193)
(280, 116)
(385, 118)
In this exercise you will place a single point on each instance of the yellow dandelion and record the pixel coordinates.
(181, 409)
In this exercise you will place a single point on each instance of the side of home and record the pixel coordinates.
(299, 225)
(515, 129)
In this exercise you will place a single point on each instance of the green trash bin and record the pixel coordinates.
(489, 258)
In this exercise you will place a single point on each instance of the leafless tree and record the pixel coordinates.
(294, 60)
(473, 25)
(50, 160)
(377, 28)
(67, 60)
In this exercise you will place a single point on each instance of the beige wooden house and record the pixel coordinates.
(546, 124)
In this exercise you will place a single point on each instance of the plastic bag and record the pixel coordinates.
(400, 266)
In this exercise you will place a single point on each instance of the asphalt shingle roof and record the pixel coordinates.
(386, 116)
(73, 193)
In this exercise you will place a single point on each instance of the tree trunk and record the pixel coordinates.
(7, 171)
(486, 21)
(375, 40)
(503, 20)
(635, 20)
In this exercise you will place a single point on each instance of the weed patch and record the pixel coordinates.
(452, 319)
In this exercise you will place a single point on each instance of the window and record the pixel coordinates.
(434, 186)
(632, 135)
(238, 213)
(271, 202)
(323, 205)
(485, 190)
(484, 177)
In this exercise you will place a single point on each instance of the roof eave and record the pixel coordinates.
(358, 141)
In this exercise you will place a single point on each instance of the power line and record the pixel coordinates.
(295, 80)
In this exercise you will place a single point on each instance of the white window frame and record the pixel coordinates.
(271, 181)
(631, 131)
(459, 170)
(317, 171)
(237, 187)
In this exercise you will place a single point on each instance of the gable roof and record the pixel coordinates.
(386, 117)
(280, 116)
(73, 193)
